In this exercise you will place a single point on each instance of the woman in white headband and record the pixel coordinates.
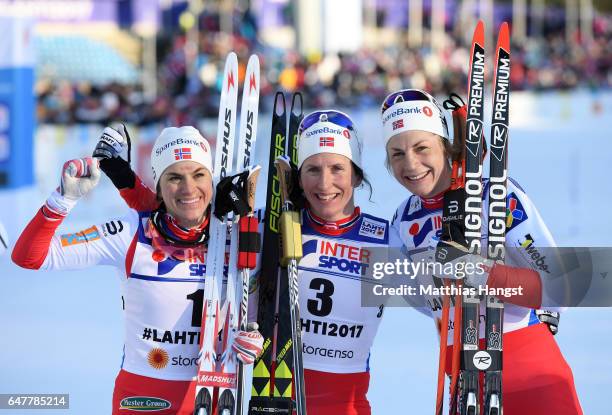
(337, 238)
(159, 253)
(536, 378)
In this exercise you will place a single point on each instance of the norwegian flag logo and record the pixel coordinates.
(182, 153)
(398, 124)
(326, 142)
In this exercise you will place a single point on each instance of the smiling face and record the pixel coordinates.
(419, 162)
(186, 188)
(328, 181)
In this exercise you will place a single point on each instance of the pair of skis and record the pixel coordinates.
(468, 360)
(280, 363)
(220, 379)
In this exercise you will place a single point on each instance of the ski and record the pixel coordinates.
(292, 253)
(244, 256)
(274, 370)
(452, 228)
(295, 118)
(284, 367)
(497, 191)
(239, 265)
(470, 314)
(220, 380)
(466, 397)
(262, 401)
(215, 379)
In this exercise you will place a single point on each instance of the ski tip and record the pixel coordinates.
(231, 71)
(297, 109)
(479, 35)
(253, 60)
(277, 105)
(231, 61)
(503, 39)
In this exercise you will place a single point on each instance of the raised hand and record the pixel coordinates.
(113, 150)
(79, 177)
(113, 143)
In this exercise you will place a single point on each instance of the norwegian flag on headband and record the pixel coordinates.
(182, 153)
(326, 141)
(398, 124)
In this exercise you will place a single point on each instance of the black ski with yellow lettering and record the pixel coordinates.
(273, 370)
(262, 401)
(283, 369)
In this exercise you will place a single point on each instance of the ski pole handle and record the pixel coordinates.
(249, 240)
(290, 226)
(291, 234)
(284, 171)
(252, 187)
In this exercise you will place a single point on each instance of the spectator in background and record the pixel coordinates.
(350, 80)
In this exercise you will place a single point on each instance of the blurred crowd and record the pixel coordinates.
(189, 77)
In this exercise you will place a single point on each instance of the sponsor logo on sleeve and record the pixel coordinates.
(87, 235)
(112, 228)
(515, 214)
(372, 228)
(533, 255)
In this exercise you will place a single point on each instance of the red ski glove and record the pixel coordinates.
(248, 344)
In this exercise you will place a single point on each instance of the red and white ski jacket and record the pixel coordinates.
(417, 225)
(162, 296)
(338, 332)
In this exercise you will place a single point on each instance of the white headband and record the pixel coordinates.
(327, 137)
(179, 144)
(414, 115)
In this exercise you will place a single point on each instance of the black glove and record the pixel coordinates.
(114, 151)
(551, 318)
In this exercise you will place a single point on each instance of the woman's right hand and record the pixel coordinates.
(248, 344)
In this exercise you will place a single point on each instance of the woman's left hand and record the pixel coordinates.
(459, 263)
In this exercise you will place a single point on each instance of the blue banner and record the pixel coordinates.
(17, 115)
